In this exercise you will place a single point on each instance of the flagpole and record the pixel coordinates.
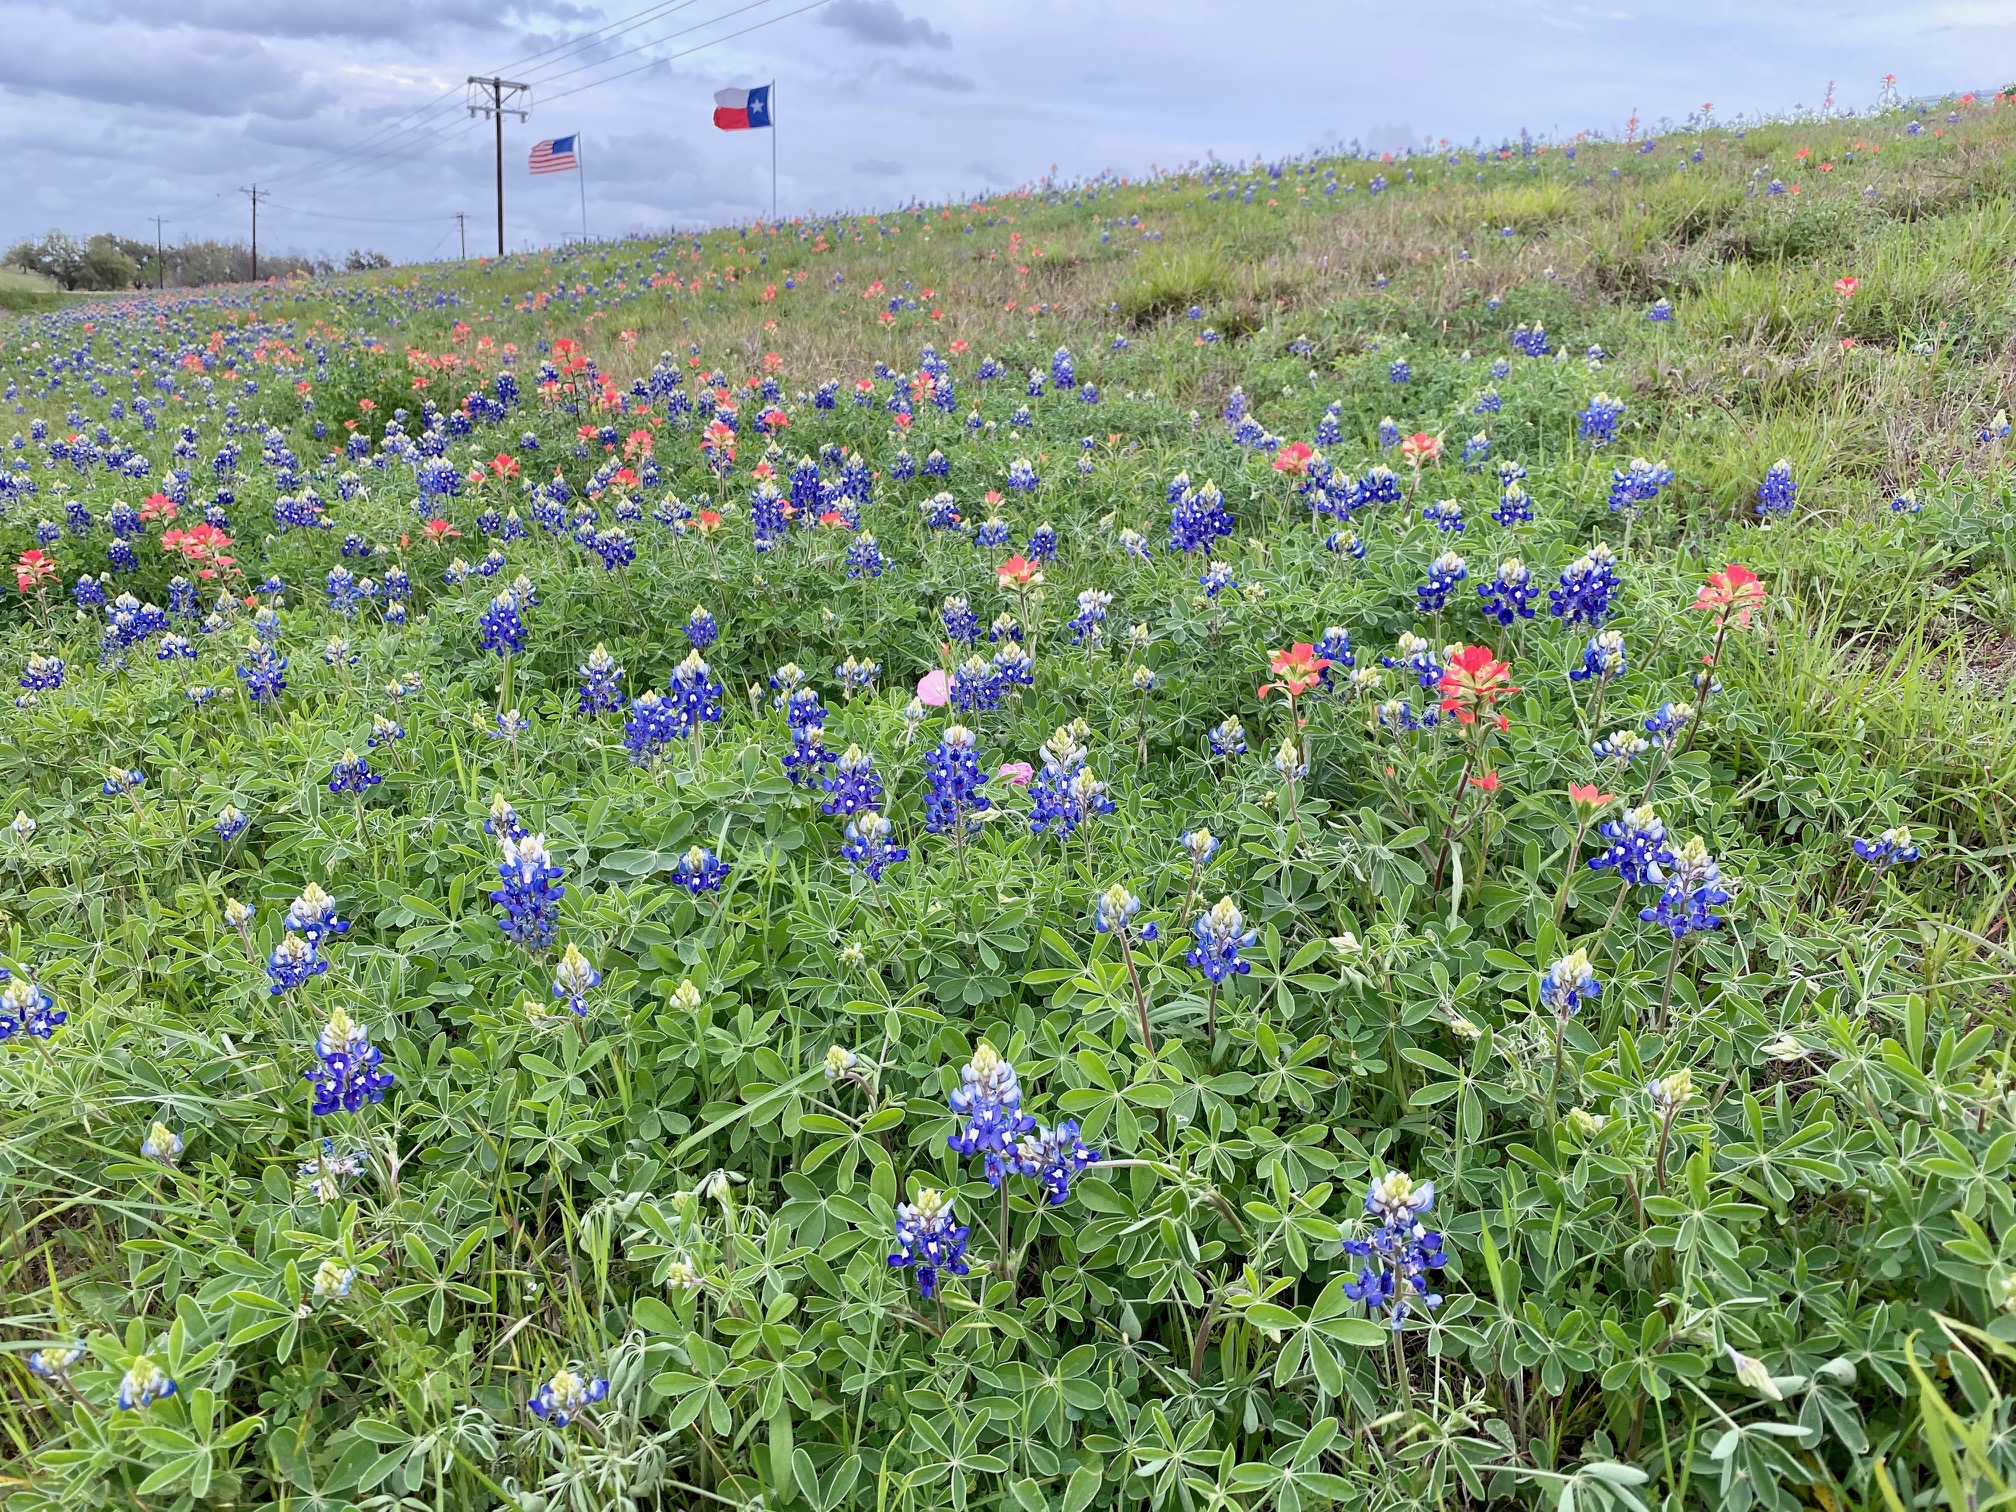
(581, 171)
(773, 152)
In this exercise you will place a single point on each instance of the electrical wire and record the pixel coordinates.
(697, 47)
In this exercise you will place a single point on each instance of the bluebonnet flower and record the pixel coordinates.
(1445, 515)
(695, 698)
(1197, 517)
(991, 533)
(700, 871)
(1530, 341)
(1061, 371)
(1055, 1157)
(352, 774)
(1397, 371)
(386, 732)
(346, 1072)
(531, 894)
(1221, 934)
(1487, 402)
(1691, 891)
(1005, 627)
(1602, 658)
(87, 592)
(1042, 544)
(1894, 847)
(1200, 845)
(867, 844)
(1216, 578)
(1378, 485)
(1568, 984)
(1346, 543)
(1510, 593)
(857, 675)
(1637, 484)
(231, 822)
(42, 674)
(1013, 668)
(1415, 654)
(1085, 624)
(328, 1170)
(614, 547)
(314, 915)
(174, 647)
(1620, 746)
(961, 623)
(929, 1239)
(1389, 433)
(502, 820)
(1115, 911)
(26, 1008)
(1475, 451)
(653, 724)
(1405, 1251)
(574, 978)
(163, 1144)
(1637, 848)
(1586, 585)
(989, 1099)
(1065, 793)
(1598, 423)
(952, 770)
(854, 784)
(53, 1364)
(122, 784)
(502, 626)
(808, 755)
(701, 629)
(1777, 493)
(292, 962)
(1022, 475)
(143, 1384)
(1444, 573)
(1667, 721)
(802, 708)
(566, 1397)
(1662, 310)
(940, 512)
(1228, 738)
(600, 676)
(120, 555)
(864, 557)
(974, 686)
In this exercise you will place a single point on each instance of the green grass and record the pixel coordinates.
(1790, 1289)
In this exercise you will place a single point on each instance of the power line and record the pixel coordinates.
(689, 51)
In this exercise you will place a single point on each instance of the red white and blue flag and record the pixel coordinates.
(555, 156)
(742, 109)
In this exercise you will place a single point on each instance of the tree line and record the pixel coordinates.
(110, 262)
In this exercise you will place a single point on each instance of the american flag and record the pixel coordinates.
(556, 156)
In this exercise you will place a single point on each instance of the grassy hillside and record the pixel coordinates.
(642, 926)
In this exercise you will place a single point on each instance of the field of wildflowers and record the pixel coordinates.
(1300, 835)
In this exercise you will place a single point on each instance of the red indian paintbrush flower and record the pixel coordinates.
(1293, 458)
(1472, 682)
(1730, 595)
(33, 568)
(1421, 447)
(1298, 669)
(1018, 572)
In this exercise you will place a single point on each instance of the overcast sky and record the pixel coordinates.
(114, 111)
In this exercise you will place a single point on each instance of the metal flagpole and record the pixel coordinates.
(581, 172)
(773, 151)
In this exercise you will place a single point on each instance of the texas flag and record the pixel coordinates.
(742, 109)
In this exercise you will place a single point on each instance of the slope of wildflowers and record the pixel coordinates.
(1328, 834)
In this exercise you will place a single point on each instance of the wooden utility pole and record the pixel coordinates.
(257, 196)
(160, 257)
(462, 225)
(488, 98)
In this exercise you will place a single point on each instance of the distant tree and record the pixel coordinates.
(106, 266)
(56, 255)
(360, 261)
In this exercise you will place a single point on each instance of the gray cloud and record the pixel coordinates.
(880, 24)
(934, 78)
(878, 168)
